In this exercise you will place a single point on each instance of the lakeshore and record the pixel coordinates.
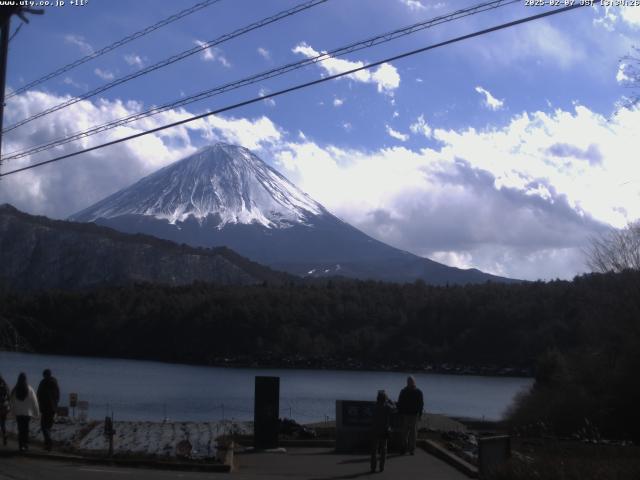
(152, 391)
(161, 440)
(300, 362)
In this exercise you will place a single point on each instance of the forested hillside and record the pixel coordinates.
(372, 323)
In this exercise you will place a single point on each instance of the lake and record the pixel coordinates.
(142, 390)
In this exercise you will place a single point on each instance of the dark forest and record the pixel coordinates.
(577, 337)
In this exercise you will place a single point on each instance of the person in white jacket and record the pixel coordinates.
(4, 408)
(24, 405)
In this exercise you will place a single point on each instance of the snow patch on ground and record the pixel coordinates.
(139, 438)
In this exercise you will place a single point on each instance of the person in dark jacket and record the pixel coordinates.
(410, 406)
(381, 429)
(4, 408)
(48, 397)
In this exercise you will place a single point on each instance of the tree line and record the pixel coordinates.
(581, 337)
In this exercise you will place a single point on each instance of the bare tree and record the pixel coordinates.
(630, 72)
(616, 250)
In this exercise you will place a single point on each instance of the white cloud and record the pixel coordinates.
(533, 42)
(70, 81)
(414, 5)
(264, 53)
(268, 101)
(252, 134)
(403, 137)
(552, 43)
(385, 77)
(207, 54)
(608, 18)
(521, 200)
(65, 187)
(79, 41)
(221, 58)
(621, 76)
(104, 74)
(611, 15)
(631, 15)
(347, 126)
(395, 114)
(337, 102)
(433, 208)
(417, 5)
(134, 60)
(421, 127)
(583, 155)
(212, 54)
(491, 102)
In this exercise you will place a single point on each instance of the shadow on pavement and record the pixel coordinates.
(351, 475)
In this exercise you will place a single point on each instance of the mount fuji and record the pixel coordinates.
(224, 195)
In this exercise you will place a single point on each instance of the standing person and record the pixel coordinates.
(48, 397)
(4, 408)
(381, 429)
(410, 406)
(24, 405)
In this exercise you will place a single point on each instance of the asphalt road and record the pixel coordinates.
(21, 468)
(296, 463)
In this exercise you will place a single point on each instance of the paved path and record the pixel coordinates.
(324, 464)
(22, 468)
(297, 463)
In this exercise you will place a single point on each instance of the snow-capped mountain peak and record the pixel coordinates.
(222, 180)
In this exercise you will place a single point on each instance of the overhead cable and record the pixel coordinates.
(174, 58)
(278, 71)
(299, 87)
(123, 41)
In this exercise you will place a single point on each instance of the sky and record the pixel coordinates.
(507, 152)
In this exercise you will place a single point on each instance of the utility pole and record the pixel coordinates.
(5, 25)
(4, 53)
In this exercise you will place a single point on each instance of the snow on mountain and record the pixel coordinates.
(224, 195)
(227, 181)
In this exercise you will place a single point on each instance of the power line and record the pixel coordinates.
(175, 58)
(383, 38)
(15, 32)
(301, 86)
(113, 46)
(353, 47)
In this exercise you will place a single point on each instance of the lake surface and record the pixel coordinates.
(140, 390)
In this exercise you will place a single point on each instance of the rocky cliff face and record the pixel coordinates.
(39, 253)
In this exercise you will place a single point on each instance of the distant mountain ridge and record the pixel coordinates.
(39, 253)
(225, 195)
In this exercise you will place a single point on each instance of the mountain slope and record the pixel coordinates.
(224, 180)
(225, 195)
(39, 253)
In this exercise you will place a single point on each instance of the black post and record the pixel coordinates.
(109, 432)
(265, 413)
(4, 53)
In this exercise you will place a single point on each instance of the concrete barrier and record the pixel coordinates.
(493, 453)
(354, 419)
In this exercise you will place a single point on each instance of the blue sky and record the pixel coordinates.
(506, 152)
